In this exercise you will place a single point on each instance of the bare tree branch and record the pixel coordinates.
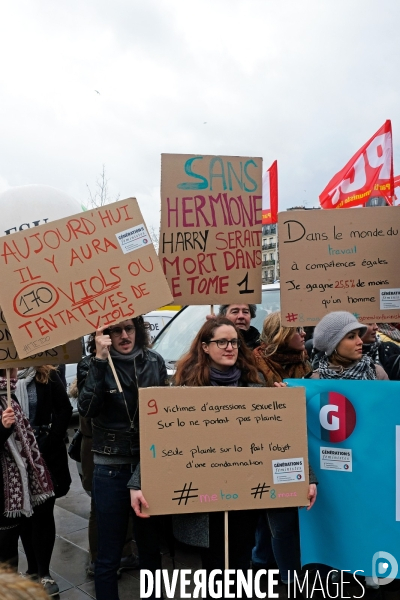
(100, 196)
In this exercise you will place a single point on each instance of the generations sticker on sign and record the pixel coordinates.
(336, 459)
(69, 277)
(339, 260)
(288, 470)
(215, 450)
(211, 225)
(132, 239)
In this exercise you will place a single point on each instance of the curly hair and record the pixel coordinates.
(15, 587)
(193, 369)
(142, 339)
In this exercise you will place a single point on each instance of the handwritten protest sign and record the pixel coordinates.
(340, 260)
(211, 219)
(69, 277)
(67, 353)
(222, 448)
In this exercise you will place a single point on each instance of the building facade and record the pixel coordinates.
(270, 257)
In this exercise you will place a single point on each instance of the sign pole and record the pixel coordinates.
(226, 539)
(110, 362)
(8, 388)
(212, 309)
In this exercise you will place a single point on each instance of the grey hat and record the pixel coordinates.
(332, 328)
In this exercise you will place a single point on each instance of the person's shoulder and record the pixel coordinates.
(381, 373)
(152, 354)
(85, 361)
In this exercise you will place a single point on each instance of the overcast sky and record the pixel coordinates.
(305, 82)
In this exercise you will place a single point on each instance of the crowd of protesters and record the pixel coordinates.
(227, 351)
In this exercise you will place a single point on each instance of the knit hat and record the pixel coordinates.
(332, 329)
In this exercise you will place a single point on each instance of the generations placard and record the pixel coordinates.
(211, 220)
(339, 260)
(68, 353)
(71, 276)
(219, 448)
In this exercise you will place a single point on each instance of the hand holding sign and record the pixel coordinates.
(103, 343)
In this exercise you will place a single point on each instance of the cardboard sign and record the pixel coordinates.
(340, 260)
(211, 219)
(220, 448)
(69, 277)
(68, 353)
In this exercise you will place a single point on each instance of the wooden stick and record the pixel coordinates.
(212, 309)
(226, 539)
(110, 362)
(8, 388)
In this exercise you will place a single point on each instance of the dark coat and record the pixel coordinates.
(100, 401)
(54, 408)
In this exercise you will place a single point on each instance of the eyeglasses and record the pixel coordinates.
(300, 330)
(223, 344)
(129, 329)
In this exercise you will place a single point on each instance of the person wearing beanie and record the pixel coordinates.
(280, 356)
(338, 335)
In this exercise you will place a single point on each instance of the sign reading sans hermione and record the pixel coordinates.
(340, 260)
(67, 353)
(224, 449)
(69, 277)
(354, 448)
(211, 219)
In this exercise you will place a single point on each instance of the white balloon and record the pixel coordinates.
(28, 206)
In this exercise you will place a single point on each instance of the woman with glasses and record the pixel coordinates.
(217, 357)
(115, 429)
(280, 356)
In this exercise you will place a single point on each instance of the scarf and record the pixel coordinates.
(24, 379)
(229, 378)
(26, 479)
(362, 369)
(390, 330)
(3, 383)
(372, 350)
(281, 365)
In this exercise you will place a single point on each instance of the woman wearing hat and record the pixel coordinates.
(338, 335)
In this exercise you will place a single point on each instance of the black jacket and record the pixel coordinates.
(54, 408)
(251, 337)
(100, 401)
(388, 356)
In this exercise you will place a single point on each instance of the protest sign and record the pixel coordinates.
(339, 260)
(354, 448)
(211, 219)
(65, 354)
(71, 276)
(218, 449)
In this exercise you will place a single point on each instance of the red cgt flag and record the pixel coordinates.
(270, 195)
(368, 174)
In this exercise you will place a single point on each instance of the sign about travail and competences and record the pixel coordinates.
(69, 277)
(354, 448)
(226, 449)
(339, 260)
(211, 221)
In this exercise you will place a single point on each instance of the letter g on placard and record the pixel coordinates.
(323, 417)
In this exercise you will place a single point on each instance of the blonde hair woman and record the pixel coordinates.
(280, 356)
(282, 351)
